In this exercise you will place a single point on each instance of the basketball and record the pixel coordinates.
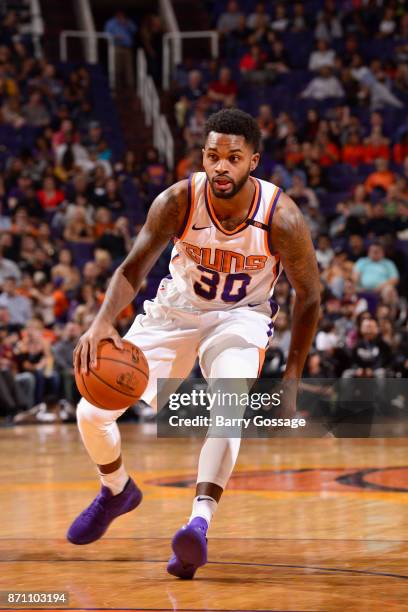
(119, 378)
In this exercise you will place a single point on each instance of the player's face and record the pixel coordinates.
(228, 161)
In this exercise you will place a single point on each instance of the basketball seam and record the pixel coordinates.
(102, 358)
(111, 386)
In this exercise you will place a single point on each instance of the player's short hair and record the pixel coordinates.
(237, 122)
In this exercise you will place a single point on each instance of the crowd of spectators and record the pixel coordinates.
(65, 220)
(65, 223)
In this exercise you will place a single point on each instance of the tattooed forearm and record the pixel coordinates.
(291, 240)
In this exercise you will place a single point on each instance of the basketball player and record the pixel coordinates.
(233, 236)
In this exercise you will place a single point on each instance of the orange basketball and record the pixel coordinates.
(119, 378)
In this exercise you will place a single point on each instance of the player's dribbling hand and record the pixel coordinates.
(85, 352)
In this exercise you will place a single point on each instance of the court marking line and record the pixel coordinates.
(242, 563)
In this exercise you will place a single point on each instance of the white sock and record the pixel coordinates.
(115, 481)
(204, 506)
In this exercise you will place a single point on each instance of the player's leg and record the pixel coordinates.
(119, 494)
(220, 363)
(170, 352)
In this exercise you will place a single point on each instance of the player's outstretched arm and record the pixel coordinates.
(165, 219)
(290, 237)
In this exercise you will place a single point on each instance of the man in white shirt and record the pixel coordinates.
(322, 56)
(323, 86)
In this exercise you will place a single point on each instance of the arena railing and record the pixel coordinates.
(37, 26)
(93, 54)
(150, 101)
(173, 51)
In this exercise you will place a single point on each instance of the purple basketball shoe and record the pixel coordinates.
(190, 549)
(92, 523)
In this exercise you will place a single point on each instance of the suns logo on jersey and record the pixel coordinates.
(222, 260)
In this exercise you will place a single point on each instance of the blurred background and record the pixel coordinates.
(103, 105)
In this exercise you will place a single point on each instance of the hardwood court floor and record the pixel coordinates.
(306, 525)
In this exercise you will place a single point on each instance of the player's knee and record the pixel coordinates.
(235, 360)
(89, 414)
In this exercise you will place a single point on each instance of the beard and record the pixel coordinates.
(236, 187)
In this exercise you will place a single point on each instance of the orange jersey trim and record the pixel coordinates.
(190, 206)
(242, 225)
(268, 218)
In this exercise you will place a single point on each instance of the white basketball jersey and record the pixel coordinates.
(213, 268)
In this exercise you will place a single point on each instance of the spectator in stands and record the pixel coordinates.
(277, 57)
(280, 21)
(94, 138)
(266, 123)
(353, 152)
(189, 95)
(35, 112)
(355, 248)
(323, 86)
(62, 352)
(154, 173)
(65, 271)
(113, 199)
(123, 31)
(50, 196)
(16, 390)
(382, 178)
(298, 20)
(151, 35)
(33, 354)
(324, 251)
(116, 240)
(102, 221)
(71, 155)
(78, 229)
(376, 145)
(8, 269)
(253, 65)
(378, 223)
(192, 162)
(223, 91)
(230, 19)
(375, 273)
(388, 23)
(12, 113)
(328, 23)
(322, 57)
(195, 126)
(373, 86)
(259, 18)
(371, 355)
(281, 334)
(19, 307)
(302, 195)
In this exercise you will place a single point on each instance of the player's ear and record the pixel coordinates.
(254, 161)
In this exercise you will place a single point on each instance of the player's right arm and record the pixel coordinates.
(164, 221)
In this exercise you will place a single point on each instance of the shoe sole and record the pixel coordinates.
(189, 549)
